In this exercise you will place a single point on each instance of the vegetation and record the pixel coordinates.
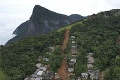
(80, 66)
(18, 60)
(97, 34)
(55, 60)
(3, 76)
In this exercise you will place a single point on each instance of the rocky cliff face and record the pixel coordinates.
(43, 21)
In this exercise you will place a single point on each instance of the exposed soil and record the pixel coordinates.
(101, 75)
(118, 40)
(66, 38)
(63, 70)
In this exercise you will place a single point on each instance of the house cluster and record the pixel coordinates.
(74, 46)
(93, 75)
(72, 59)
(41, 58)
(39, 73)
(71, 63)
(42, 72)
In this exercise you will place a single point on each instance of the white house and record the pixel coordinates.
(84, 75)
(73, 42)
(39, 78)
(38, 65)
(40, 73)
(29, 78)
(72, 36)
(70, 69)
(73, 60)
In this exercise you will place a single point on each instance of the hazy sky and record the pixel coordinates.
(14, 12)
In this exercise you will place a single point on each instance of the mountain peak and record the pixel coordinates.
(43, 21)
(39, 9)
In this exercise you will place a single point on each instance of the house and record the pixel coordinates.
(39, 78)
(90, 71)
(71, 65)
(94, 76)
(45, 59)
(89, 66)
(72, 36)
(40, 73)
(90, 54)
(84, 75)
(73, 42)
(36, 71)
(73, 60)
(73, 50)
(29, 78)
(34, 75)
(48, 75)
(43, 68)
(48, 53)
(39, 58)
(74, 46)
(38, 65)
(71, 69)
(52, 48)
(90, 60)
(74, 55)
(79, 78)
(57, 76)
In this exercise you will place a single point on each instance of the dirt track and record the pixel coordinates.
(63, 69)
(66, 38)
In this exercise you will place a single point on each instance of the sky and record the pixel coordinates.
(15, 12)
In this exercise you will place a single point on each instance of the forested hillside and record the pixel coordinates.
(100, 35)
(18, 60)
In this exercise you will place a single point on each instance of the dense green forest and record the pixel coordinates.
(97, 34)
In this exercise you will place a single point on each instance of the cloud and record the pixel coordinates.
(5, 34)
(8, 24)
